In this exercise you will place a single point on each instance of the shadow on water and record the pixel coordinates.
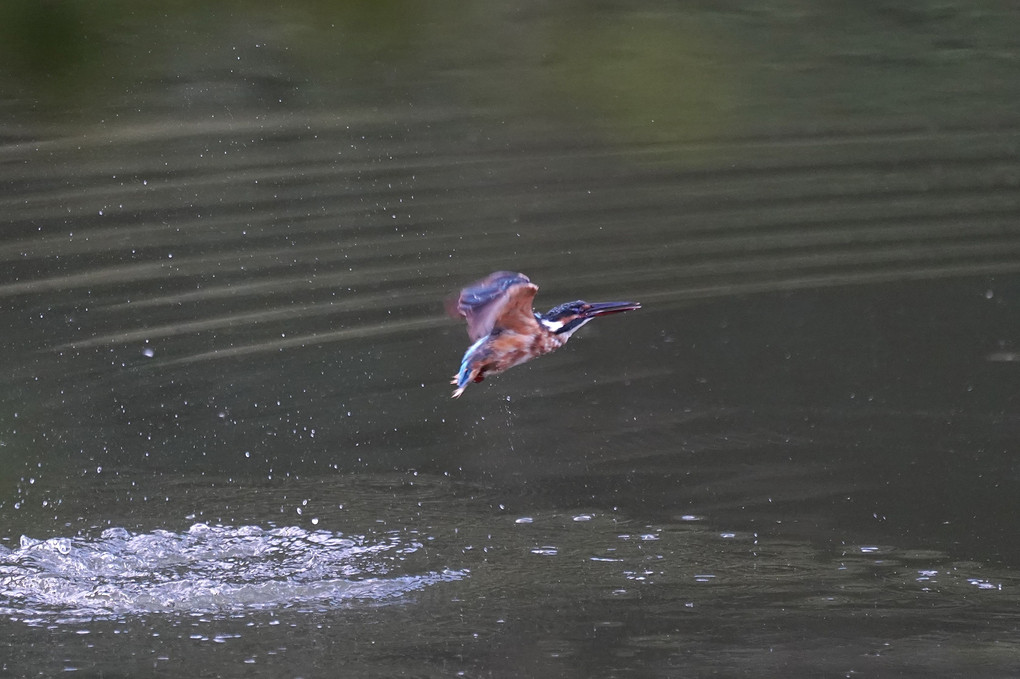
(227, 435)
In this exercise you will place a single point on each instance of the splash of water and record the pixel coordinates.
(207, 570)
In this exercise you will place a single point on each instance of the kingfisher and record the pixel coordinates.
(507, 331)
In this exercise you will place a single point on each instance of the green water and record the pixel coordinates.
(227, 233)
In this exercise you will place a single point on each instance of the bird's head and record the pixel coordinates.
(565, 319)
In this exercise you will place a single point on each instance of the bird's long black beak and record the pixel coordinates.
(603, 308)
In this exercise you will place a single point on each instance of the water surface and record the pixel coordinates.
(227, 439)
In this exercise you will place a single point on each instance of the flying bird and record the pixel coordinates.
(507, 331)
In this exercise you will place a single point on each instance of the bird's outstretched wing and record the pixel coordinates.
(500, 300)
